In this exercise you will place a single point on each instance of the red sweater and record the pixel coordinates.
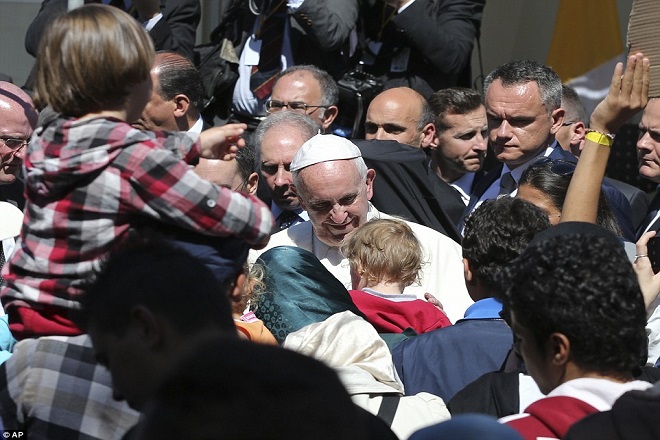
(389, 316)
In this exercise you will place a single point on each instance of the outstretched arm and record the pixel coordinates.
(628, 94)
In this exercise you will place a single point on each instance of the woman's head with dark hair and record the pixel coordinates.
(545, 183)
(576, 307)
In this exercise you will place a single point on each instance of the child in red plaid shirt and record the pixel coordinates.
(91, 177)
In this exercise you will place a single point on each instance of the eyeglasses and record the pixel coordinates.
(566, 124)
(557, 166)
(300, 107)
(14, 144)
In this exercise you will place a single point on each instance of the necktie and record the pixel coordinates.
(507, 184)
(271, 34)
(286, 219)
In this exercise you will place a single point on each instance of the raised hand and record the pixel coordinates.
(222, 142)
(628, 94)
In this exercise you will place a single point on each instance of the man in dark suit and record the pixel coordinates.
(400, 129)
(523, 107)
(648, 154)
(176, 96)
(423, 44)
(459, 148)
(172, 24)
(270, 35)
(572, 137)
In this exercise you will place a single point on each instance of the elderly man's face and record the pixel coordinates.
(519, 125)
(648, 145)
(302, 87)
(336, 198)
(16, 122)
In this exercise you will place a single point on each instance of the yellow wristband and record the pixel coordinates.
(600, 138)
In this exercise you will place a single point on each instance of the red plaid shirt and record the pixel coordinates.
(87, 183)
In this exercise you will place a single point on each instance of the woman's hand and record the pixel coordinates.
(628, 94)
(649, 282)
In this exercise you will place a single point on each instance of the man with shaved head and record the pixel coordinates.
(18, 118)
(400, 114)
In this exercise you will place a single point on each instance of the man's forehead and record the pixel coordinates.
(454, 119)
(299, 83)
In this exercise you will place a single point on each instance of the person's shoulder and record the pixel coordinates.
(299, 235)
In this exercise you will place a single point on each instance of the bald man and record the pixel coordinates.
(18, 118)
(403, 115)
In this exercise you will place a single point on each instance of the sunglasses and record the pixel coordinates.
(558, 167)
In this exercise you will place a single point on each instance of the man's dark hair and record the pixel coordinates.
(453, 101)
(178, 75)
(246, 159)
(524, 71)
(496, 233)
(236, 389)
(161, 277)
(571, 102)
(583, 286)
(427, 115)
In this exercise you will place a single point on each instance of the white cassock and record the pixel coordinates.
(442, 273)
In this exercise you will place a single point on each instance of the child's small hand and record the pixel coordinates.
(222, 142)
(433, 300)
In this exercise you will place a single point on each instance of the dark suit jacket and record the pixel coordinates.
(319, 34)
(440, 35)
(175, 32)
(449, 198)
(654, 206)
(401, 186)
(639, 201)
(618, 202)
(13, 193)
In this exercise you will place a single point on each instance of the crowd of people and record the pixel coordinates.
(175, 269)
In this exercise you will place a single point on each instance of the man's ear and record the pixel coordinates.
(149, 328)
(371, 175)
(467, 273)
(578, 137)
(182, 103)
(560, 349)
(428, 135)
(252, 183)
(329, 116)
(578, 132)
(557, 119)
